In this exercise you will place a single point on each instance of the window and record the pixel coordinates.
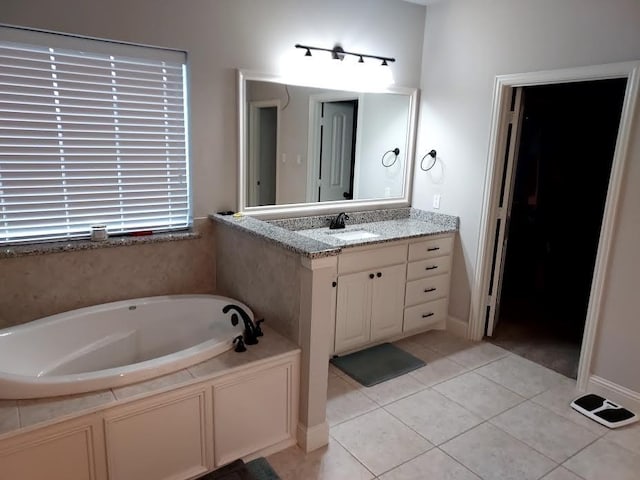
(91, 132)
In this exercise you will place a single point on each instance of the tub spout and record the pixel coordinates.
(250, 337)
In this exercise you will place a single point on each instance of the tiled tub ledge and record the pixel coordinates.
(78, 245)
(307, 235)
(21, 416)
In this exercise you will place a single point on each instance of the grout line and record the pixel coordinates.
(459, 462)
(352, 455)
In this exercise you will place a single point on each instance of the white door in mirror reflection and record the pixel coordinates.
(337, 150)
(263, 152)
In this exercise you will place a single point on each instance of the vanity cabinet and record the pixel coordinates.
(428, 276)
(391, 291)
(370, 297)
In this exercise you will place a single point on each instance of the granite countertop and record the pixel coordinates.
(18, 416)
(311, 237)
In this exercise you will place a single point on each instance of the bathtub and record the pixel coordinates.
(113, 344)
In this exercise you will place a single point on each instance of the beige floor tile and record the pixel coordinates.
(627, 437)
(493, 454)
(605, 460)
(547, 432)
(345, 401)
(478, 395)
(434, 464)
(437, 371)
(332, 462)
(379, 441)
(561, 473)
(433, 416)
(394, 389)
(8, 416)
(521, 375)
(442, 342)
(559, 398)
(423, 353)
(479, 355)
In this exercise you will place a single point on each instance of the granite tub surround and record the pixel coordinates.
(277, 235)
(84, 244)
(310, 236)
(35, 286)
(17, 416)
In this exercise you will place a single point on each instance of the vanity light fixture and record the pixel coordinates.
(338, 53)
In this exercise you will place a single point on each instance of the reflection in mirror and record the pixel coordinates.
(304, 146)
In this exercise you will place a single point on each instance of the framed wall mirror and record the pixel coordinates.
(310, 149)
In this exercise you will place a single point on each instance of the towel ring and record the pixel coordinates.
(396, 152)
(431, 154)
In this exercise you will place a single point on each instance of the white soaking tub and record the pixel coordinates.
(113, 344)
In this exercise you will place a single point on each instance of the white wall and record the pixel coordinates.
(223, 35)
(467, 43)
(384, 127)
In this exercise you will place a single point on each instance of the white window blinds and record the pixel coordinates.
(95, 134)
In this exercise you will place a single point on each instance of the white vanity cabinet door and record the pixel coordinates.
(353, 311)
(163, 438)
(255, 411)
(387, 301)
(72, 450)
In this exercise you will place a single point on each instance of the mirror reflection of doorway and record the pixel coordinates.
(336, 128)
(564, 147)
(263, 152)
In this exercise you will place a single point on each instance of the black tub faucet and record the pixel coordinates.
(338, 222)
(250, 337)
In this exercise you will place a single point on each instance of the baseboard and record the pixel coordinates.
(457, 327)
(614, 392)
(310, 439)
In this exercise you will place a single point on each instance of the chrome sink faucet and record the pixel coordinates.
(338, 222)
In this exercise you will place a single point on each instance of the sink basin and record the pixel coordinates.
(354, 235)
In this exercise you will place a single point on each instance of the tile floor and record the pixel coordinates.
(475, 411)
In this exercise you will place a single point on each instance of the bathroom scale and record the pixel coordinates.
(603, 411)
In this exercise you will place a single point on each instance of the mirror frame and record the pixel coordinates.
(318, 208)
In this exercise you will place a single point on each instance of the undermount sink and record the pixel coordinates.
(353, 235)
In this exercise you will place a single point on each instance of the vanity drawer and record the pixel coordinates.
(376, 257)
(435, 247)
(425, 314)
(427, 289)
(428, 268)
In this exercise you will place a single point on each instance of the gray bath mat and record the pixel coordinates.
(258, 469)
(377, 364)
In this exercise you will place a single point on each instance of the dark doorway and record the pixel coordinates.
(567, 142)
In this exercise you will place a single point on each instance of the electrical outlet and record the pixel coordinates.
(436, 201)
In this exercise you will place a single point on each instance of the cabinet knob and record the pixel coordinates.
(334, 284)
(432, 289)
(426, 315)
(371, 275)
(432, 249)
(432, 267)
(379, 274)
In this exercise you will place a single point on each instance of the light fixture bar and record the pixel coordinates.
(338, 53)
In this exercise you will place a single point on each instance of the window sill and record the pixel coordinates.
(77, 245)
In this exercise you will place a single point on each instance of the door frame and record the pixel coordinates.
(313, 153)
(253, 147)
(503, 86)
